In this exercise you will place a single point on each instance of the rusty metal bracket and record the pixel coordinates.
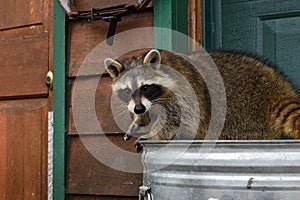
(110, 14)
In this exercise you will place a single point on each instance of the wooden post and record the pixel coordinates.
(195, 24)
(59, 88)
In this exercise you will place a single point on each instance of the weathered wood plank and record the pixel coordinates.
(85, 36)
(41, 26)
(101, 109)
(15, 152)
(3, 150)
(88, 176)
(24, 64)
(19, 13)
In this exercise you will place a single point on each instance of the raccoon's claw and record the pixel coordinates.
(127, 137)
(138, 146)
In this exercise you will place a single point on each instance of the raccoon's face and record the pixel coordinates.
(138, 82)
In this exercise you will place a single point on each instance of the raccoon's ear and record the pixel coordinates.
(152, 56)
(113, 67)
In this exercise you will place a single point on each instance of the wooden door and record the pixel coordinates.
(270, 28)
(24, 105)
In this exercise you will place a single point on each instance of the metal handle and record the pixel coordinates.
(49, 80)
(113, 21)
(145, 193)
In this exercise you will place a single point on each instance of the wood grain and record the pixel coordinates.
(88, 176)
(85, 36)
(109, 115)
(195, 23)
(23, 153)
(3, 150)
(24, 58)
(21, 23)
(101, 109)
(24, 67)
(18, 13)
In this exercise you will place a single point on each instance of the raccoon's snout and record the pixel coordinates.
(139, 109)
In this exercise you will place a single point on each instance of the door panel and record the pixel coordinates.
(20, 13)
(23, 149)
(270, 28)
(3, 131)
(25, 67)
(280, 38)
(24, 43)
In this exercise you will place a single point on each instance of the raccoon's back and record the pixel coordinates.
(260, 103)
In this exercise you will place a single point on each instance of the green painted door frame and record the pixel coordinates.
(170, 15)
(59, 102)
(211, 20)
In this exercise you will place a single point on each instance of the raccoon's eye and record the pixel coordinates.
(151, 92)
(144, 88)
(124, 94)
(127, 91)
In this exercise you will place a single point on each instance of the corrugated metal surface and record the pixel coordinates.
(222, 170)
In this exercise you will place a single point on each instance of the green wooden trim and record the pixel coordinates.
(59, 87)
(211, 20)
(171, 15)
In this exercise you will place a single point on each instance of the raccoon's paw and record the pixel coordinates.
(138, 145)
(132, 130)
(138, 148)
(127, 137)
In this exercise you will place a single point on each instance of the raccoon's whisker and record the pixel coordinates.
(120, 106)
(120, 111)
(120, 118)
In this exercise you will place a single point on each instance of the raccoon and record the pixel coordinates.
(163, 90)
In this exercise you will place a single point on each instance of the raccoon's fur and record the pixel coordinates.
(176, 101)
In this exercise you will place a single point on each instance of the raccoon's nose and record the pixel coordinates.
(139, 108)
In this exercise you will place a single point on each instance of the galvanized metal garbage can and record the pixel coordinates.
(221, 170)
